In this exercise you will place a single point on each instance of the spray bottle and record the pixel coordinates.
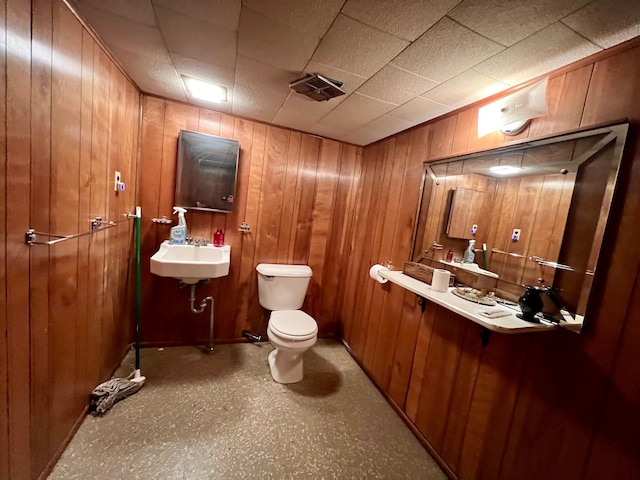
(179, 232)
(469, 254)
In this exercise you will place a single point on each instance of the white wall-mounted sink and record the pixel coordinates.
(191, 263)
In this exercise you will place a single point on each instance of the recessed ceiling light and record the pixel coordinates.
(505, 169)
(205, 91)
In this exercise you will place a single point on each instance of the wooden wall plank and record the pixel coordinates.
(18, 125)
(442, 137)
(339, 244)
(42, 27)
(243, 132)
(4, 351)
(65, 162)
(286, 241)
(382, 347)
(440, 374)
(98, 208)
(369, 251)
(305, 194)
(248, 279)
(84, 207)
(321, 221)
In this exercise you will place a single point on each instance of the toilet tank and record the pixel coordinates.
(282, 287)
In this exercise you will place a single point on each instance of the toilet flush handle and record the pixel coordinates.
(269, 278)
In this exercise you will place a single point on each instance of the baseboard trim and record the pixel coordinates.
(74, 429)
(418, 434)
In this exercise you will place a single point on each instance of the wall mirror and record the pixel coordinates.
(206, 172)
(540, 207)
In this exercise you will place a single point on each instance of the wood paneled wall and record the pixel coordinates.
(296, 191)
(69, 120)
(546, 405)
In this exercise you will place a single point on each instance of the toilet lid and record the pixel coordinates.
(293, 323)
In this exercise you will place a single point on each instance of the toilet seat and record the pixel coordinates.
(293, 325)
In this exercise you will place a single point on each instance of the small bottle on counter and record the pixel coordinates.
(218, 238)
(450, 255)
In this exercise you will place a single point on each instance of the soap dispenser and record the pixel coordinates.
(179, 232)
(469, 254)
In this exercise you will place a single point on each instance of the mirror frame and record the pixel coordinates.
(186, 162)
(618, 129)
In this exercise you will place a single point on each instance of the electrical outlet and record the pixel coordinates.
(515, 236)
(116, 181)
(474, 229)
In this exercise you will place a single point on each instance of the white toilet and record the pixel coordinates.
(281, 289)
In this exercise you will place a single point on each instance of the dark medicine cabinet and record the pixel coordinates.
(206, 173)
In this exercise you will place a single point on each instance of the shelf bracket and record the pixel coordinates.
(422, 302)
(484, 336)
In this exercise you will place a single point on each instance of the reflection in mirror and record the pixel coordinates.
(540, 209)
(206, 173)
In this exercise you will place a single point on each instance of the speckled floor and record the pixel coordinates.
(221, 416)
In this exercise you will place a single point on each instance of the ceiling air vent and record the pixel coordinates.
(315, 86)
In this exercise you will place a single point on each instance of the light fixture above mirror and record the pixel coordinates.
(512, 114)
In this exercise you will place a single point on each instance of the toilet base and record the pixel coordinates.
(285, 367)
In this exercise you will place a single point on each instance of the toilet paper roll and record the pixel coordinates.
(440, 280)
(373, 273)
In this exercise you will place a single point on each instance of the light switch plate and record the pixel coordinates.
(116, 181)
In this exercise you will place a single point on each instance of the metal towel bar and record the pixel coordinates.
(97, 225)
(542, 261)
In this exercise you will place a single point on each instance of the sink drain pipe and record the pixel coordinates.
(203, 305)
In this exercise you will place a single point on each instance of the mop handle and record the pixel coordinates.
(138, 286)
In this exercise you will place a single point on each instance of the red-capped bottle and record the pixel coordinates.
(218, 238)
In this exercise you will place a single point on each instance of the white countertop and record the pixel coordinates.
(465, 308)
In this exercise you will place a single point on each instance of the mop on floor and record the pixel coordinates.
(106, 394)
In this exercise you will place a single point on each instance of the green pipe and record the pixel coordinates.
(138, 287)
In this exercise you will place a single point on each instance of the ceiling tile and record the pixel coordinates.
(446, 50)
(118, 31)
(274, 43)
(197, 39)
(302, 112)
(150, 84)
(311, 16)
(356, 111)
(254, 104)
(260, 76)
(420, 110)
(328, 131)
(551, 48)
(357, 48)
(148, 67)
(387, 125)
(607, 23)
(351, 81)
(206, 72)
(464, 89)
(137, 12)
(509, 22)
(406, 19)
(363, 136)
(395, 85)
(220, 13)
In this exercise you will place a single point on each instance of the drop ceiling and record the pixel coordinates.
(402, 62)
